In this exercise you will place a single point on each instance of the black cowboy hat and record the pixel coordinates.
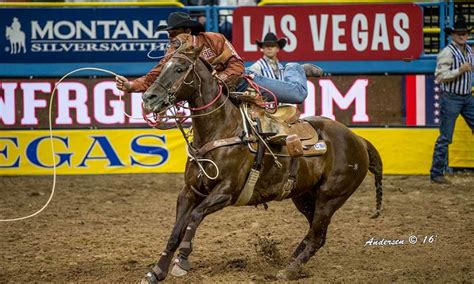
(460, 26)
(181, 20)
(271, 38)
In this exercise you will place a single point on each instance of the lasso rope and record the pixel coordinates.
(51, 140)
(126, 114)
(51, 127)
(53, 189)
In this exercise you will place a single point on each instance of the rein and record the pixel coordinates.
(192, 152)
(219, 94)
(272, 105)
(158, 118)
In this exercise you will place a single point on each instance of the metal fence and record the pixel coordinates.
(436, 16)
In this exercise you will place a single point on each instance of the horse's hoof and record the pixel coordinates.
(178, 271)
(290, 273)
(282, 275)
(150, 278)
(181, 267)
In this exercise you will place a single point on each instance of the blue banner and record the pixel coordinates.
(71, 35)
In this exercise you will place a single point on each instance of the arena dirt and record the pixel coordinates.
(111, 228)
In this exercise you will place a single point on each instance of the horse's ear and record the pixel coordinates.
(186, 44)
(195, 52)
(183, 42)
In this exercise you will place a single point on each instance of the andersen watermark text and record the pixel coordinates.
(410, 240)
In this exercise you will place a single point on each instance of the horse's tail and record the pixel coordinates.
(376, 168)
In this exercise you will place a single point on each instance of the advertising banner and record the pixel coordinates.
(332, 32)
(92, 152)
(28, 152)
(81, 103)
(377, 100)
(62, 35)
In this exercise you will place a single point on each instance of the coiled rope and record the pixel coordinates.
(51, 139)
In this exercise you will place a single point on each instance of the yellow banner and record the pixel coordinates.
(403, 150)
(92, 152)
(461, 152)
(410, 150)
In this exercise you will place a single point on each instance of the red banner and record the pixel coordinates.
(332, 32)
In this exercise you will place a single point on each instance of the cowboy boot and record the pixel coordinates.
(311, 70)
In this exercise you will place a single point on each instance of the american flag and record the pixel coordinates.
(421, 100)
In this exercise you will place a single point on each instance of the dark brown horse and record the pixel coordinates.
(323, 183)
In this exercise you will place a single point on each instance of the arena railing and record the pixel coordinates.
(167, 3)
(442, 15)
(312, 2)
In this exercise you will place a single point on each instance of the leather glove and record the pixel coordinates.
(122, 83)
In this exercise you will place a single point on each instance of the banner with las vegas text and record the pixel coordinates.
(28, 152)
(332, 32)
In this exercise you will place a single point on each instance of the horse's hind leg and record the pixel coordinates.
(316, 237)
(185, 204)
(305, 203)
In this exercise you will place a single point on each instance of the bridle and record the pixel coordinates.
(175, 106)
(171, 91)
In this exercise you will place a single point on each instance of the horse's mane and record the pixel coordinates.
(207, 64)
(188, 50)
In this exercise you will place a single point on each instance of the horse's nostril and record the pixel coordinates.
(148, 96)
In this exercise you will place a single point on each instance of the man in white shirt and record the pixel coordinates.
(268, 65)
(454, 73)
(272, 73)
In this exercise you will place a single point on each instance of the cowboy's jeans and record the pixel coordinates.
(291, 90)
(451, 106)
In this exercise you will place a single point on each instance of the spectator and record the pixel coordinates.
(454, 73)
(225, 25)
(199, 15)
(269, 65)
(198, 2)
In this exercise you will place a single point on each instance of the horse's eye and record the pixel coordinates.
(179, 70)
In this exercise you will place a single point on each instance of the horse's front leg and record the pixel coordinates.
(215, 201)
(187, 201)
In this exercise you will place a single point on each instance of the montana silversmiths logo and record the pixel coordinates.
(16, 36)
(50, 35)
(95, 36)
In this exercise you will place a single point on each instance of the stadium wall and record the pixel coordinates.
(390, 101)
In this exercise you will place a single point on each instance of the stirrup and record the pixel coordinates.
(278, 138)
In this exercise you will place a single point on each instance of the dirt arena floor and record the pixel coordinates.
(111, 228)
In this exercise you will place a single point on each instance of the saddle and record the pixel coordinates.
(286, 134)
(283, 133)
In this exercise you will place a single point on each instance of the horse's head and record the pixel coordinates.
(8, 31)
(177, 79)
